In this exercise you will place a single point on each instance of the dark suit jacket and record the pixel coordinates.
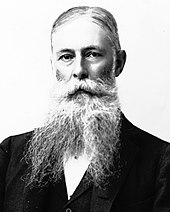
(144, 184)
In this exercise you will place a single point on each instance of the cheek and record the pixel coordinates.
(109, 69)
(59, 75)
(63, 73)
(101, 69)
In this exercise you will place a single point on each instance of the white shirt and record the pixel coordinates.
(74, 170)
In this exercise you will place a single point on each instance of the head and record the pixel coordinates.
(97, 28)
(85, 113)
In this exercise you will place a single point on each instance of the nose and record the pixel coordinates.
(80, 71)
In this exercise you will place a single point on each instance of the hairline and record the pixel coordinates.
(77, 12)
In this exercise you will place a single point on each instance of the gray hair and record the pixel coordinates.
(100, 16)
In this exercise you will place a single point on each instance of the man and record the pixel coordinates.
(87, 156)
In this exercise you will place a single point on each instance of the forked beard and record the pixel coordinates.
(77, 123)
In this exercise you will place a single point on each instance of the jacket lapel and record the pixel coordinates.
(81, 188)
(102, 199)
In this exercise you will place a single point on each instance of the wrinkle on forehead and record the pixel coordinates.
(80, 33)
(84, 17)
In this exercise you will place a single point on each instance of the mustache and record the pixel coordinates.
(92, 88)
(86, 90)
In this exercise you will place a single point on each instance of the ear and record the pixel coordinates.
(120, 62)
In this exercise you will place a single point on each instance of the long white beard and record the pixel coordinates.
(84, 118)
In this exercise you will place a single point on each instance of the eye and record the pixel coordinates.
(93, 55)
(66, 57)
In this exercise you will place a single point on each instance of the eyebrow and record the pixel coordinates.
(83, 49)
(60, 51)
(93, 47)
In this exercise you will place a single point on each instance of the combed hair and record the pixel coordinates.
(99, 15)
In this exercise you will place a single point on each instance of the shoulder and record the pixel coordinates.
(12, 167)
(139, 136)
(12, 150)
(15, 144)
(149, 146)
(152, 154)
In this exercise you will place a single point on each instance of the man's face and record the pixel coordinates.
(81, 49)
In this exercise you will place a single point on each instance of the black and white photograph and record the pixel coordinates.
(85, 98)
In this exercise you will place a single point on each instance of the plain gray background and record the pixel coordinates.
(26, 76)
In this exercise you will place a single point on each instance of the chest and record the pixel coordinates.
(74, 170)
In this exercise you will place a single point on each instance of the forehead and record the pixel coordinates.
(79, 33)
